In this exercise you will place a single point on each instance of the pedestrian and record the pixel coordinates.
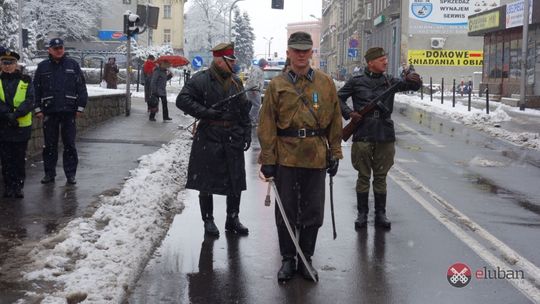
(188, 75)
(148, 68)
(216, 162)
(159, 88)
(110, 73)
(373, 141)
(300, 135)
(16, 106)
(256, 78)
(61, 96)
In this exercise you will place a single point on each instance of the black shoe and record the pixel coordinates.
(287, 270)
(382, 221)
(210, 228)
(167, 118)
(8, 193)
(47, 179)
(18, 193)
(361, 221)
(233, 224)
(304, 271)
(152, 119)
(71, 180)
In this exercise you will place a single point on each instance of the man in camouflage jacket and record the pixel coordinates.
(300, 135)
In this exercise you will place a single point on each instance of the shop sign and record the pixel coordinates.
(445, 57)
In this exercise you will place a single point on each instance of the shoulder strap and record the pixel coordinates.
(300, 93)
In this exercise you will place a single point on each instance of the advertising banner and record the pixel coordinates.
(444, 16)
(445, 58)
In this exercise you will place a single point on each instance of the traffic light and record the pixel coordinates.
(131, 24)
(277, 4)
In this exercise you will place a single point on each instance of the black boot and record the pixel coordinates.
(232, 224)
(363, 209)
(8, 192)
(380, 211)
(152, 117)
(207, 209)
(308, 239)
(18, 193)
(287, 270)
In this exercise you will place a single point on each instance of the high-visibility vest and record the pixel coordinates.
(20, 96)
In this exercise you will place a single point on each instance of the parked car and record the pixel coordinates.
(269, 73)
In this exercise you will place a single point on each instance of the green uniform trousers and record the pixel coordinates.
(376, 157)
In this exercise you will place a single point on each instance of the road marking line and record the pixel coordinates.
(510, 256)
(422, 137)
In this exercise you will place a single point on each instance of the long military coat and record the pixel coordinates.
(216, 162)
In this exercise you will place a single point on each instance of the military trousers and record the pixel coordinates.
(56, 125)
(302, 192)
(372, 157)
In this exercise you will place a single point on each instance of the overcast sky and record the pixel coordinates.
(268, 22)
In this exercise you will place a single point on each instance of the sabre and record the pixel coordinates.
(291, 233)
(332, 206)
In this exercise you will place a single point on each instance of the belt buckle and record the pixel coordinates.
(376, 114)
(302, 133)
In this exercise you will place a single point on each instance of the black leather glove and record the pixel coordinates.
(269, 170)
(413, 77)
(211, 114)
(12, 120)
(332, 167)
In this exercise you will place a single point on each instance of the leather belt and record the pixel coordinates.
(222, 123)
(300, 133)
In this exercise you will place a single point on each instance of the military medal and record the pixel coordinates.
(315, 101)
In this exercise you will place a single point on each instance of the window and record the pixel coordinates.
(126, 1)
(166, 36)
(166, 12)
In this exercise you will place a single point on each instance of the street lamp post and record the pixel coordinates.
(230, 13)
(269, 43)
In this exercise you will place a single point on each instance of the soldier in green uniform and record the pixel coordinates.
(300, 135)
(373, 141)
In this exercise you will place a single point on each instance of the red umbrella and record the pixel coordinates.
(174, 60)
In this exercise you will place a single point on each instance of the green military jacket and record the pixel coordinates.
(283, 108)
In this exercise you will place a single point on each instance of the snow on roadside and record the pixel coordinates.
(101, 255)
(477, 118)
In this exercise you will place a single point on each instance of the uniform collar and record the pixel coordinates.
(372, 74)
(294, 77)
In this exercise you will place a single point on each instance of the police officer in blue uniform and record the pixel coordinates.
(61, 96)
(16, 106)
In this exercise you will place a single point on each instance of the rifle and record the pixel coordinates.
(351, 127)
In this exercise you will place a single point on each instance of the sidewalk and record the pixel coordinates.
(106, 155)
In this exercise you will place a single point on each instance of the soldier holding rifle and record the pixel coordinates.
(374, 136)
(216, 162)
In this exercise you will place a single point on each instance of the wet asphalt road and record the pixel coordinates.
(450, 186)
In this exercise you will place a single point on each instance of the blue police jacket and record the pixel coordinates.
(59, 86)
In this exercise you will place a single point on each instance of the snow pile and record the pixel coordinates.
(100, 256)
(476, 118)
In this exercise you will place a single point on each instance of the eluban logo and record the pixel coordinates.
(459, 275)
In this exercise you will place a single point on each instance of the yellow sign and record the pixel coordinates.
(484, 22)
(446, 57)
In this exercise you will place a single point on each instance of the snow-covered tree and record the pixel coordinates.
(9, 19)
(141, 52)
(206, 24)
(70, 19)
(243, 37)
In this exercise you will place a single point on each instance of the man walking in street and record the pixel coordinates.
(300, 135)
(61, 96)
(373, 141)
(148, 68)
(256, 78)
(216, 162)
(110, 73)
(158, 87)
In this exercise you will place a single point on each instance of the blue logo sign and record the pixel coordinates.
(422, 10)
(352, 53)
(112, 36)
(197, 62)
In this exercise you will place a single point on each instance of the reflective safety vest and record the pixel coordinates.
(20, 96)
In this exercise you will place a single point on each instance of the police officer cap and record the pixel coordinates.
(300, 41)
(7, 54)
(225, 50)
(56, 42)
(374, 53)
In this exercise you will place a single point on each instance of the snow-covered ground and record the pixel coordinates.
(100, 256)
